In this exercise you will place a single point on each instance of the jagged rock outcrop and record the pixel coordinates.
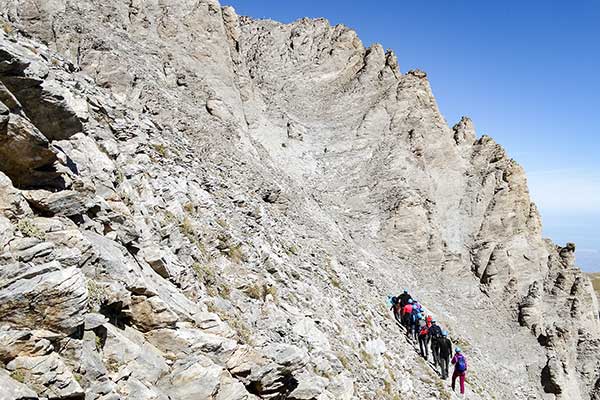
(197, 205)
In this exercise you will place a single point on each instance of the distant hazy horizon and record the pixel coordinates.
(525, 72)
(576, 229)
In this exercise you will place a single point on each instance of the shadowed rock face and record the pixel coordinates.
(45, 106)
(34, 112)
(197, 205)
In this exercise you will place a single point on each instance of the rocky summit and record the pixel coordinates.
(199, 205)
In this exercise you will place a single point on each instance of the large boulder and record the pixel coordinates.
(151, 313)
(24, 150)
(185, 342)
(55, 111)
(17, 342)
(163, 262)
(66, 202)
(12, 389)
(48, 376)
(309, 387)
(232, 389)
(271, 372)
(194, 378)
(40, 109)
(127, 353)
(44, 296)
(12, 203)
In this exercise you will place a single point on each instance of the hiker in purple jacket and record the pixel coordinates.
(460, 369)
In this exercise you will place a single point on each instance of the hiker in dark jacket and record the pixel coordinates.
(396, 309)
(404, 298)
(435, 334)
(445, 349)
(423, 338)
(460, 369)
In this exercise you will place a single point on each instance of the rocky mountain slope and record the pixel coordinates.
(197, 205)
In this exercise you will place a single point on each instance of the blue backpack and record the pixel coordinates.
(461, 364)
(414, 315)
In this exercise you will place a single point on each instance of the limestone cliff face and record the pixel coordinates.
(197, 205)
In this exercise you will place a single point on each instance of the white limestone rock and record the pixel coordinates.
(13, 389)
(47, 375)
(257, 190)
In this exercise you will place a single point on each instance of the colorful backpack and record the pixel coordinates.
(414, 315)
(461, 363)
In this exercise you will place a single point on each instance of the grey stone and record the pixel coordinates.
(197, 378)
(151, 313)
(14, 343)
(48, 375)
(309, 387)
(14, 390)
(8, 102)
(48, 297)
(51, 108)
(94, 320)
(184, 341)
(66, 203)
(12, 202)
(23, 150)
(258, 189)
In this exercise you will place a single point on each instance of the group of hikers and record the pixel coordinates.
(423, 328)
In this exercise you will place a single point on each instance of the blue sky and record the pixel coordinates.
(526, 72)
